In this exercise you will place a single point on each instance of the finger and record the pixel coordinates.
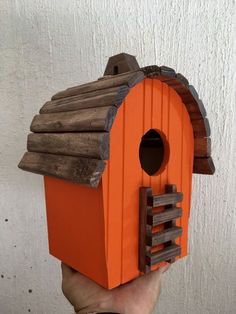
(66, 270)
(164, 268)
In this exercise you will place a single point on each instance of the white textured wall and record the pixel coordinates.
(47, 45)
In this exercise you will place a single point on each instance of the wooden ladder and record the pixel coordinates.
(149, 219)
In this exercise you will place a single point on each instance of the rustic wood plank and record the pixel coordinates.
(154, 219)
(178, 86)
(168, 72)
(202, 147)
(100, 100)
(201, 128)
(163, 255)
(91, 119)
(117, 89)
(144, 192)
(181, 78)
(203, 165)
(121, 63)
(165, 199)
(151, 71)
(171, 188)
(130, 79)
(163, 236)
(81, 170)
(94, 145)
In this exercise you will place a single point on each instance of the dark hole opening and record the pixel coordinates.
(115, 70)
(151, 152)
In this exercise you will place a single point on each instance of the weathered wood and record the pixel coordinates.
(163, 236)
(117, 89)
(95, 145)
(178, 86)
(154, 219)
(121, 63)
(202, 147)
(91, 119)
(165, 199)
(86, 171)
(130, 79)
(108, 98)
(203, 165)
(201, 128)
(171, 188)
(163, 255)
(181, 78)
(166, 71)
(144, 192)
(151, 71)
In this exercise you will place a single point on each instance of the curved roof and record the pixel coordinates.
(70, 138)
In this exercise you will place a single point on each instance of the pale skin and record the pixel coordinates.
(136, 297)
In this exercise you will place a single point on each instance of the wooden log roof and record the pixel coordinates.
(70, 138)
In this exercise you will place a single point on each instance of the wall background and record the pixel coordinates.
(46, 46)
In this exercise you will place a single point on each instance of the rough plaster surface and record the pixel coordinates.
(46, 46)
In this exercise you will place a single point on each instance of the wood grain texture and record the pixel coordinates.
(204, 166)
(165, 199)
(102, 98)
(171, 225)
(202, 147)
(86, 171)
(90, 119)
(129, 79)
(154, 219)
(62, 101)
(201, 128)
(121, 63)
(92, 145)
(144, 192)
(163, 236)
(163, 255)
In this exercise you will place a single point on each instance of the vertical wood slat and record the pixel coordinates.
(171, 188)
(144, 192)
(132, 133)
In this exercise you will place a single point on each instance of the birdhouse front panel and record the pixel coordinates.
(117, 156)
(150, 108)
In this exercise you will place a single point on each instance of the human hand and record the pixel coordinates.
(138, 296)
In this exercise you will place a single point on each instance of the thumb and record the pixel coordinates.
(66, 271)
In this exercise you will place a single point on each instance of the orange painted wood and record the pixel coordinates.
(138, 116)
(96, 230)
(76, 227)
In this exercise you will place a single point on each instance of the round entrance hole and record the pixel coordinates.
(151, 152)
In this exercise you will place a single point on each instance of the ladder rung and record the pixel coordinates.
(163, 255)
(163, 236)
(169, 214)
(164, 199)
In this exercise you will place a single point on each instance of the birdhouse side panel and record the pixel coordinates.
(76, 232)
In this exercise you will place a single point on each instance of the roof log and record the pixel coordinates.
(81, 170)
(87, 119)
(129, 78)
(92, 145)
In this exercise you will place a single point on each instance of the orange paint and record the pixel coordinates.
(96, 230)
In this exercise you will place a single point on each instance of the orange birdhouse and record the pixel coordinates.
(117, 156)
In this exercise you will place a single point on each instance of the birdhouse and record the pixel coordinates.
(117, 156)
